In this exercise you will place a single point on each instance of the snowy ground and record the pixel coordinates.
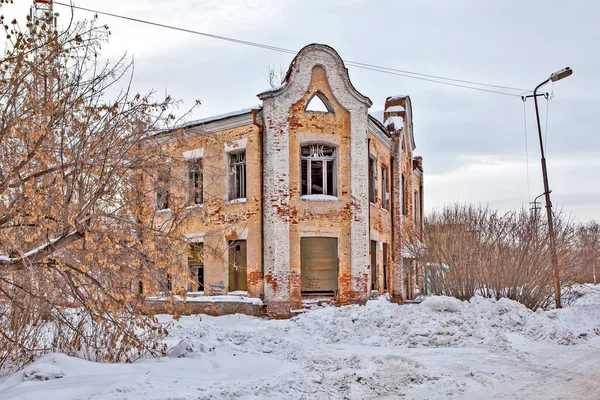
(442, 348)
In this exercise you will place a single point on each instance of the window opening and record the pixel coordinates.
(372, 179)
(374, 271)
(318, 170)
(168, 283)
(195, 183)
(196, 266)
(319, 103)
(237, 175)
(416, 207)
(384, 188)
(162, 192)
(385, 266)
(404, 195)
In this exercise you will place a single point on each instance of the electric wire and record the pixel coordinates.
(371, 67)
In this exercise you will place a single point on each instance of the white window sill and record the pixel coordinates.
(373, 204)
(164, 210)
(319, 197)
(201, 205)
(240, 200)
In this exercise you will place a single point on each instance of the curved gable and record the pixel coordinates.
(313, 55)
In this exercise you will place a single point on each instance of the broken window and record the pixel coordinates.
(237, 175)
(384, 188)
(237, 266)
(162, 192)
(374, 271)
(196, 266)
(318, 169)
(195, 184)
(372, 179)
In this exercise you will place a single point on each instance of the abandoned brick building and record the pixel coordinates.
(306, 195)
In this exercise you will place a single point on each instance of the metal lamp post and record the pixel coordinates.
(563, 73)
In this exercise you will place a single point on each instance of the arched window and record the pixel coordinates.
(318, 169)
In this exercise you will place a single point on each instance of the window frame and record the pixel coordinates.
(372, 179)
(327, 161)
(237, 190)
(162, 193)
(196, 248)
(404, 200)
(384, 187)
(373, 250)
(416, 209)
(194, 192)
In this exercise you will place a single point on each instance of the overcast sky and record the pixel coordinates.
(473, 143)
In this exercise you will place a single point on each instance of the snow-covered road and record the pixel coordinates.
(442, 348)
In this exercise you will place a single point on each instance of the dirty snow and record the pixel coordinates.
(441, 348)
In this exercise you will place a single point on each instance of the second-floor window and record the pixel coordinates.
(404, 205)
(237, 175)
(162, 192)
(372, 179)
(318, 170)
(384, 188)
(195, 183)
(416, 208)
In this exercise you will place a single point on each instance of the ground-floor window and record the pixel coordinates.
(196, 266)
(374, 272)
(407, 275)
(385, 266)
(237, 266)
(319, 265)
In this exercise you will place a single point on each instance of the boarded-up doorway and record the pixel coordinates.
(319, 265)
(237, 266)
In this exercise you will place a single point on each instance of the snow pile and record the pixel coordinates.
(441, 348)
(437, 322)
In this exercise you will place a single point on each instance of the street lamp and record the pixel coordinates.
(558, 75)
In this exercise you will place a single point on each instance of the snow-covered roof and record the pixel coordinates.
(214, 118)
(219, 117)
(397, 97)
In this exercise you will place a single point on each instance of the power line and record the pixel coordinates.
(432, 80)
(434, 76)
(371, 67)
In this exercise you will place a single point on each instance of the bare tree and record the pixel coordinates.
(77, 237)
(275, 76)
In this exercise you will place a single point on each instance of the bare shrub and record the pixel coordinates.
(473, 249)
(588, 252)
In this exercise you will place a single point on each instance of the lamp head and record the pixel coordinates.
(563, 73)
